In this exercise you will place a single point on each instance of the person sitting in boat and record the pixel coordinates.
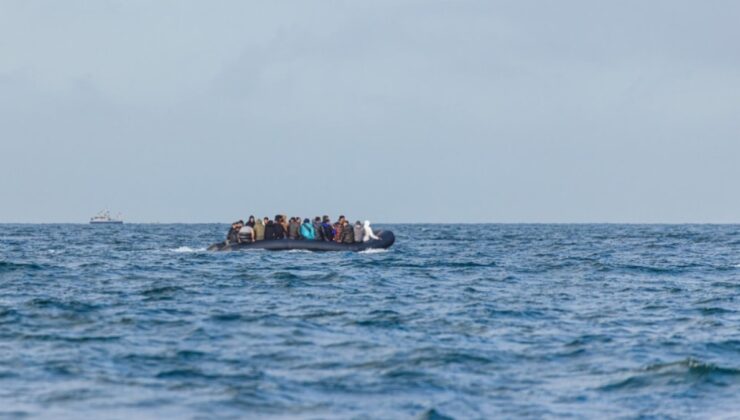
(259, 230)
(318, 234)
(307, 230)
(270, 230)
(251, 222)
(327, 232)
(274, 230)
(348, 233)
(283, 221)
(359, 231)
(368, 232)
(294, 228)
(246, 234)
(233, 235)
(337, 232)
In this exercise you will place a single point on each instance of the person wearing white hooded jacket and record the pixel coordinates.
(368, 232)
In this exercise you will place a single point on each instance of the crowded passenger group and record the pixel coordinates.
(320, 229)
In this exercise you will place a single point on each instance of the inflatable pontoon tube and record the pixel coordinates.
(386, 240)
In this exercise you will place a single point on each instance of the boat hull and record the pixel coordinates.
(386, 240)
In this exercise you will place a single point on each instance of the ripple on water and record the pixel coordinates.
(683, 372)
(8, 267)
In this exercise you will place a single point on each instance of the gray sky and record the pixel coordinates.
(429, 111)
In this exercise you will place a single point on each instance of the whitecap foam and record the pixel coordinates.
(373, 251)
(187, 249)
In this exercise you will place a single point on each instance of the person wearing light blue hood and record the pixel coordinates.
(307, 230)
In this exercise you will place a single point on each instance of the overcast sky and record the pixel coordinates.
(396, 111)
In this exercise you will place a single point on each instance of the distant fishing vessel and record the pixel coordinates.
(104, 218)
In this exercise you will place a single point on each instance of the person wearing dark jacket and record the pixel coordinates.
(270, 230)
(280, 232)
(274, 230)
(233, 236)
(348, 233)
(327, 230)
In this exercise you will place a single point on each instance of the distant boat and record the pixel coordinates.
(104, 218)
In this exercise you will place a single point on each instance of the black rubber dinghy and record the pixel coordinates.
(386, 240)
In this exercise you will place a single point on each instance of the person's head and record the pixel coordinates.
(358, 223)
(317, 219)
(342, 218)
(278, 218)
(265, 219)
(326, 219)
(260, 222)
(251, 219)
(306, 220)
(367, 223)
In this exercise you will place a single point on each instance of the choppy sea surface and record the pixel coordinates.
(456, 321)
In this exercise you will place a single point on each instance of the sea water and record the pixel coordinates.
(458, 321)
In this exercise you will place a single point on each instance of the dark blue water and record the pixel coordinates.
(464, 321)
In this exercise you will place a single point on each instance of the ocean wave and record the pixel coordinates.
(7, 266)
(162, 292)
(688, 371)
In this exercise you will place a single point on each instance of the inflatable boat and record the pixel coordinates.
(386, 240)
